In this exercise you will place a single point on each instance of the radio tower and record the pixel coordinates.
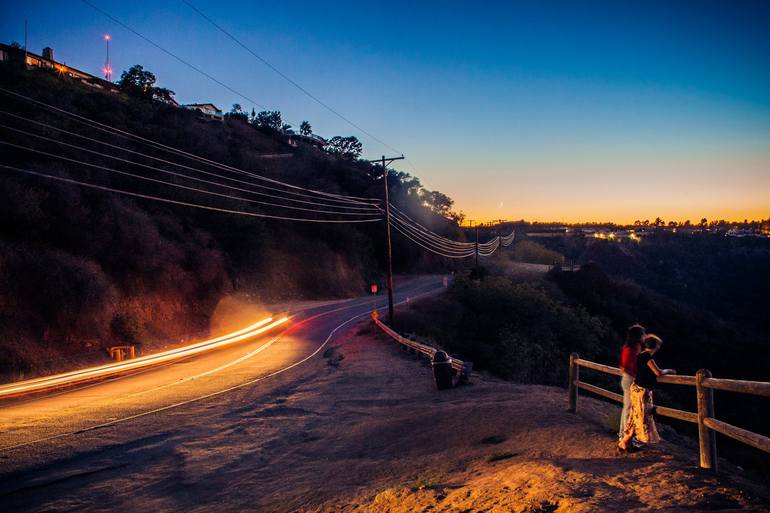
(107, 67)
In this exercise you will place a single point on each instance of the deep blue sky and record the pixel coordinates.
(590, 110)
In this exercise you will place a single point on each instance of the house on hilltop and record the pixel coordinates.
(207, 110)
(14, 55)
(312, 139)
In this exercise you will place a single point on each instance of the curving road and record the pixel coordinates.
(40, 438)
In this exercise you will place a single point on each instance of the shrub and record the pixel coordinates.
(534, 253)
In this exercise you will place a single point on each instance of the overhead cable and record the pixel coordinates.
(171, 184)
(285, 77)
(367, 210)
(170, 149)
(177, 202)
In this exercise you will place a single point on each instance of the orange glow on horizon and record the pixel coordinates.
(594, 216)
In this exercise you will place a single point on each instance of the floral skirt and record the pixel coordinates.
(640, 422)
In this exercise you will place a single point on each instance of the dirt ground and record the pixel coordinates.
(401, 446)
(362, 429)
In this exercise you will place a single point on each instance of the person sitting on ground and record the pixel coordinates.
(631, 349)
(640, 422)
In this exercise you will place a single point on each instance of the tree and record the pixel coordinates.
(438, 202)
(704, 222)
(286, 128)
(270, 119)
(672, 224)
(141, 83)
(161, 94)
(347, 147)
(305, 128)
(237, 113)
(687, 223)
(658, 222)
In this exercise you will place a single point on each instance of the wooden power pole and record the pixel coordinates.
(385, 161)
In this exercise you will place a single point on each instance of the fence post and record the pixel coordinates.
(707, 439)
(574, 375)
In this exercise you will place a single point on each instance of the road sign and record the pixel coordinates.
(374, 288)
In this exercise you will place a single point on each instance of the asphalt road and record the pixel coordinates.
(47, 442)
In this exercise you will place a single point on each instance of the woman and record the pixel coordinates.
(640, 423)
(631, 349)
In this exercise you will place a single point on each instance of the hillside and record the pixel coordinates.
(724, 276)
(82, 268)
(364, 430)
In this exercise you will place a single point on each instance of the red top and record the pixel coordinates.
(628, 359)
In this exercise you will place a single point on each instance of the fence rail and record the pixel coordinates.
(462, 368)
(704, 418)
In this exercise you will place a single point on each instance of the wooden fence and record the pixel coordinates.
(704, 385)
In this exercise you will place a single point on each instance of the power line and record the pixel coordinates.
(285, 77)
(369, 210)
(427, 240)
(177, 202)
(407, 230)
(427, 230)
(155, 180)
(435, 243)
(175, 151)
(431, 249)
(173, 55)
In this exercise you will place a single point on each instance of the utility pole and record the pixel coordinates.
(477, 250)
(384, 162)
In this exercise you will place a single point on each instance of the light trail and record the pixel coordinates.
(238, 386)
(73, 377)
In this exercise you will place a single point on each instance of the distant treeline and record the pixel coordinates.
(725, 276)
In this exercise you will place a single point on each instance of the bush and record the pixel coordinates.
(126, 328)
(517, 331)
(534, 253)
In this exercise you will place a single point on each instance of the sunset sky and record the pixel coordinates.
(538, 110)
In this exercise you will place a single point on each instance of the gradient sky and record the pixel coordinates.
(537, 110)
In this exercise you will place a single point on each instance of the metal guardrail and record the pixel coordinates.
(704, 385)
(462, 368)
